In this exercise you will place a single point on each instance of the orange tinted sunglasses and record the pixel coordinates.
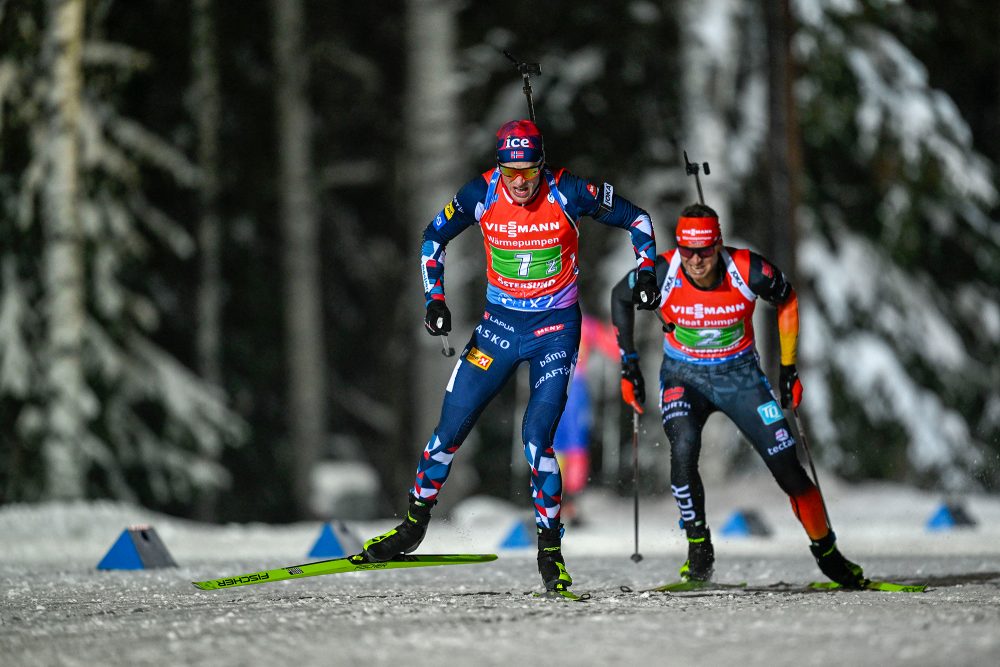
(527, 173)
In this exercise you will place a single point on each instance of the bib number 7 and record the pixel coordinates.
(524, 260)
(526, 264)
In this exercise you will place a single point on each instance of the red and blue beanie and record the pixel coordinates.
(519, 141)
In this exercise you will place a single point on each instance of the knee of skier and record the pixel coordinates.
(792, 479)
(539, 426)
(684, 450)
(452, 431)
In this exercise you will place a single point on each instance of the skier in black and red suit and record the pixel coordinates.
(710, 362)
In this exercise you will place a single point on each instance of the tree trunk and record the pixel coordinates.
(783, 158)
(430, 176)
(300, 256)
(206, 106)
(64, 280)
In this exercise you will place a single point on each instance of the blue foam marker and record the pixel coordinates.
(122, 555)
(335, 540)
(519, 537)
(949, 516)
(744, 523)
(327, 545)
(137, 548)
(736, 526)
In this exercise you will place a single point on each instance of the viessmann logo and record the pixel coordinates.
(512, 229)
(700, 310)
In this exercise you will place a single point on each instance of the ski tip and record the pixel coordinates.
(678, 586)
(884, 586)
(562, 593)
(824, 585)
(891, 587)
(204, 585)
(485, 558)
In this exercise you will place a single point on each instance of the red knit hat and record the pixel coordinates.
(698, 232)
(519, 141)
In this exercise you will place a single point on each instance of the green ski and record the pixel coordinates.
(694, 585)
(355, 563)
(687, 586)
(887, 586)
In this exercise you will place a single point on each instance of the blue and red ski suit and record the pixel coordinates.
(531, 313)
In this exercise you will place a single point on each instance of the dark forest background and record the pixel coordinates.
(247, 183)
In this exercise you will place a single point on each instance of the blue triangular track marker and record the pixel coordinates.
(949, 516)
(335, 541)
(519, 537)
(137, 548)
(122, 555)
(744, 523)
(327, 545)
(736, 526)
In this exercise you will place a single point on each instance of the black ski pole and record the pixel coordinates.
(692, 170)
(805, 448)
(636, 556)
(667, 326)
(447, 350)
(526, 70)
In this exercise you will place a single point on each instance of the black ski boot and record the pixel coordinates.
(701, 556)
(405, 537)
(551, 565)
(834, 565)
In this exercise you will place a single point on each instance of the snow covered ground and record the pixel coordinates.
(57, 609)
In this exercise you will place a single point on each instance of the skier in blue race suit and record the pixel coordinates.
(529, 216)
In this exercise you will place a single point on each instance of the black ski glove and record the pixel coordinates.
(791, 388)
(646, 293)
(633, 386)
(438, 318)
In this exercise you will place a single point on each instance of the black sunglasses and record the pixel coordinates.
(704, 253)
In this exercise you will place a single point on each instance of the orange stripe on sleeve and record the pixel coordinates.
(788, 328)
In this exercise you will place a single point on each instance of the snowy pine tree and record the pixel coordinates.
(92, 406)
(902, 329)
